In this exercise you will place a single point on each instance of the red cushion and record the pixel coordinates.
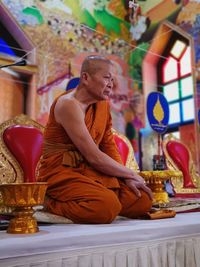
(180, 155)
(122, 148)
(25, 143)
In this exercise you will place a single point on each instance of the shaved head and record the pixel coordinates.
(96, 78)
(93, 63)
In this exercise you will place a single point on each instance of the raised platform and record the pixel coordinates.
(124, 243)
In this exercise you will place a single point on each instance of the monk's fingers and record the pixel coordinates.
(138, 178)
(146, 189)
(135, 190)
(135, 186)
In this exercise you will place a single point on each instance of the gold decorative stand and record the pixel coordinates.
(23, 197)
(155, 181)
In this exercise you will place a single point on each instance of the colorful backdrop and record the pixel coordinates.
(65, 31)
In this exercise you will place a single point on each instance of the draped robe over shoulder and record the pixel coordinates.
(62, 161)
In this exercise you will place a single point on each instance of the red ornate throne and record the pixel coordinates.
(20, 149)
(178, 157)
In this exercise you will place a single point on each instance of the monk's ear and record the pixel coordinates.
(84, 77)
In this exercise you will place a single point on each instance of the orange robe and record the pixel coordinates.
(75, 189)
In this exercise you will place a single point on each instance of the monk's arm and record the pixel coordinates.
(108, 144)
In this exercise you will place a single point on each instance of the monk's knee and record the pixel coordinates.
(102, 210)
(108, 209)
(146, 202)
(136, 207)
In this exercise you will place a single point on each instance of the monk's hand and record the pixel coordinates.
(135, 185)
(136, 177)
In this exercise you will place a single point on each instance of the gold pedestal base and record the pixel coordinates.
(160, 197)
(23, 222)
(155, 180)
(22, 197)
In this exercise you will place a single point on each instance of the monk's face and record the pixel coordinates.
(100, 83)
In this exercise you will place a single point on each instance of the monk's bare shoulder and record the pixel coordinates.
(68, 106)
(65, 97)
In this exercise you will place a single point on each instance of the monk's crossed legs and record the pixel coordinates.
(90, 202)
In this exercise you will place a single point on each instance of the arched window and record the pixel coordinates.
(177, 83)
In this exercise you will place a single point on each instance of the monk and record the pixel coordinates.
(87, 181)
